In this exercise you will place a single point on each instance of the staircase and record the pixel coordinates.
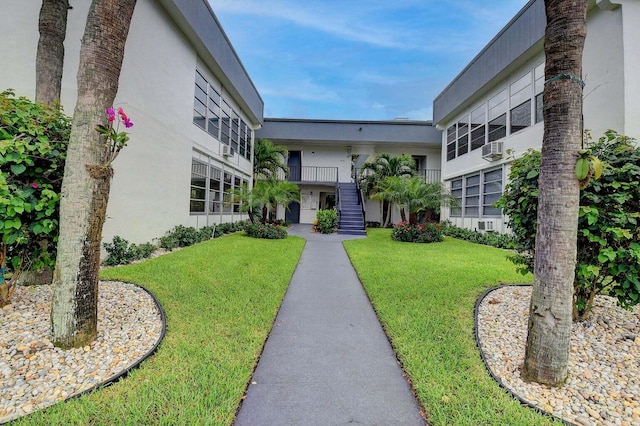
(351, 217)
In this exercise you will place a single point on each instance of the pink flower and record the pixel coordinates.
(35, 185)
(128, 123)
(111, 114)
(123, 116)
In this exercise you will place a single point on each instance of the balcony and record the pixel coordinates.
(311, 174)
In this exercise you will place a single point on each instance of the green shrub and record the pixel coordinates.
(327, 221)
(33, 144)
(266, 230)
(372, 224)
(120, 252)
(493, 239)
(608, 257)
(417, 233)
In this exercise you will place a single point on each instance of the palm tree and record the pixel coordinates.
(380, 167)
(52, 24)
(266, 194)
(550, 313)
(268, 159)
(414, 196)
(86, 182)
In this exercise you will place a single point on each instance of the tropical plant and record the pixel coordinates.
(266, 195)
(380, 167)
(418, 233)
(266, 231)
(33, 144)
(414, 196)
(608, 243)
(327, 221)
(269, 159)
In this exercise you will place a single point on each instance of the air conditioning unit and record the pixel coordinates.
(492, 151)
(227, 151)
(486, 225)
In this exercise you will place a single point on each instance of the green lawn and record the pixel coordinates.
(424, 295)
(221, 298)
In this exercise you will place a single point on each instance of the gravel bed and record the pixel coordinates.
(603, 387)
(34, 374)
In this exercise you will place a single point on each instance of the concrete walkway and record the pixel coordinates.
(327, 360)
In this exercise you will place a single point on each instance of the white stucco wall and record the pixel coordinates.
(150, 188)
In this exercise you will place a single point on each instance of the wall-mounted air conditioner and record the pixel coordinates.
(227, 151)
(492, 151)
(486, 225)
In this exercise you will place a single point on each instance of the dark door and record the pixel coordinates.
(295, 167)
(292, 214)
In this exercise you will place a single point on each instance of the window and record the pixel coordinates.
(477, 193)
(463, 136)
(472, 196)
(237, 184)
(539, 112)
(451, 142)
(227, 191)
(538, 88)
(520, 101)
(491, 192)
(215, 202)
(497, 116)
(225, 132)
(243, 138)
(477, 127)
(521, 116)
(206, 109)
(198, 186)
(456, 191)
(498, 128)
(235, 131)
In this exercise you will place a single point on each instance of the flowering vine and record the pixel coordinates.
(115, 139)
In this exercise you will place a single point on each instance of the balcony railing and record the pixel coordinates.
(430, 175)
(311, 174)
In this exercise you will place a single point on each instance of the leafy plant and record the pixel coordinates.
(493, 239)
(33, 143)
(327, 221)
(417, 233)
(266, 230)
(120, 252)
(608, 258)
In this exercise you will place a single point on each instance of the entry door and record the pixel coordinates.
(295, 166)
(292, 214)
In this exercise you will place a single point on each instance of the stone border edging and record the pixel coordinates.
(522, 401)
(122, 374)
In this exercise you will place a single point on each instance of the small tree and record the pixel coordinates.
(608, 257)
(33, 143)
(269, 159)
(380, 167)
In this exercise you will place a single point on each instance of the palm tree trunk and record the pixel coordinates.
(52, 25)
(550, 318)
(85, 187)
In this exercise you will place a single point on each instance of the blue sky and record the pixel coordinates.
(364, 60)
